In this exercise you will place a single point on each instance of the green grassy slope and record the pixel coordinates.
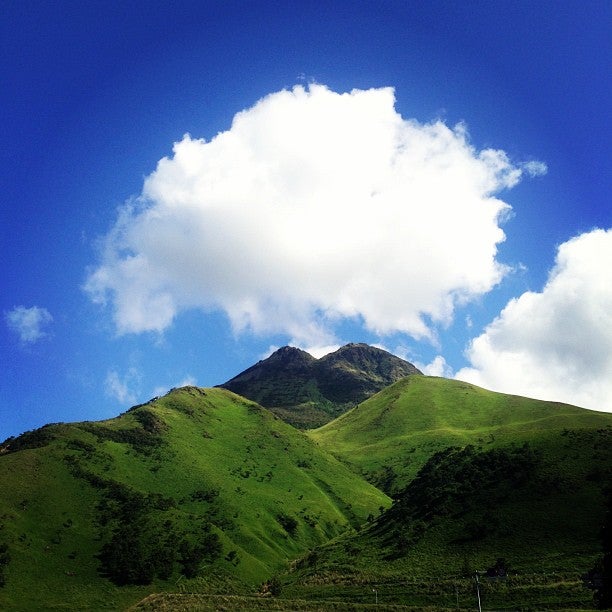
(391, 435)
(529, 488)
(539, 507)
(200, 476)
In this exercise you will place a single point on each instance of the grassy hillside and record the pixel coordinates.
(477, 476)
(529, 526)
(202, 491)
(390, 436)
(199, 490)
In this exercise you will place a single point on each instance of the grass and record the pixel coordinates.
(220, 463)
(546, 525)
(436, 575)
(535, 592)
(205, 465)
(442, 593)
(190, 602)
(390, 436)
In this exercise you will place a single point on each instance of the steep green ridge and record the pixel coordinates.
(390, 436)
(307, 392)
(200, 489)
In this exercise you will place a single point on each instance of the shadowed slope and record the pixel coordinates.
(308, 392)
(482, 481)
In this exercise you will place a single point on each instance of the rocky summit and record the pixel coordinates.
(308, 392)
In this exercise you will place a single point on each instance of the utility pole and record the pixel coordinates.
(478, 592)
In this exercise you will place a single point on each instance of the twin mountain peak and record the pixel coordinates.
(309, 392)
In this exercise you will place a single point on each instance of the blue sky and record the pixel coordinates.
(431, 177)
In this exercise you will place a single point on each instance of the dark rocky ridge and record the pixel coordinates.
(308, 392)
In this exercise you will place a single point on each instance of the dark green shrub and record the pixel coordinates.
(274, 586)
(205, 495)
(5, 559)
(31, 439)
(141, 440)
(458, 482)
(192, 554)
(150, 422)
(288, 523)
(80, 445)
(127, 559)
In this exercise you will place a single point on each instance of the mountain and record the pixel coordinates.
(509, 486)
(391, 435)
(201, 488)
(403, 497)
(308, 392)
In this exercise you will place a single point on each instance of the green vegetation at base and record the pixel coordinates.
(200, 488)
(468, 486)
(599, 577)
(191, 602)
(5, 559)
(535, 592)
(527, 518)
(204, 493)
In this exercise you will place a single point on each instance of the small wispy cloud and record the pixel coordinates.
(123, 388)
(187, 381)
(29, 323)
(535, 168)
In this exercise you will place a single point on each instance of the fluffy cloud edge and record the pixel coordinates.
(314, 207)
(555, 344)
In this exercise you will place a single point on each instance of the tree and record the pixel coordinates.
(5, 558)
(599, 578)
(603, 595)
(275, 586)
(192, 554)
(126, 559)
(288, 523)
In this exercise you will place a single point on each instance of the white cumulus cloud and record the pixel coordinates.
(556, 344)
(29, 323)
(314, 206)
(437, 367)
